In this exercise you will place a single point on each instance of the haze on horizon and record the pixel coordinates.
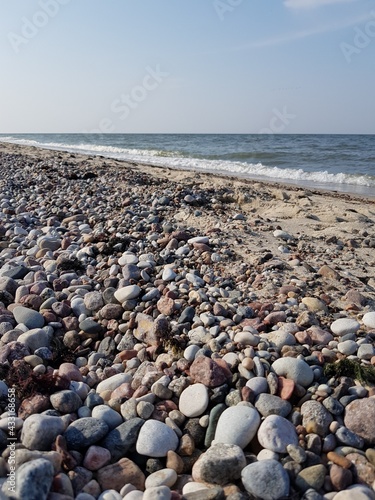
(198, 66)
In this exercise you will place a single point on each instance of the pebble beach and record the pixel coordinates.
(169, 334)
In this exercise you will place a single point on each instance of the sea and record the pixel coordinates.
(343, 163)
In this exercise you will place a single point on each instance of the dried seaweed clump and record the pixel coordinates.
(350, 368)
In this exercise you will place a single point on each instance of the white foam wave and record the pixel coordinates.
(243, 169)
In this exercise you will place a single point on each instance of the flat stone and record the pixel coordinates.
(84, 432)
(93, 301)
(267, 404)
(32, 319)
(220, 464)
(40, 431)
(116, 476)
(33, 480)
(343, 326)
(155, 439)
(276, 433)
(194, 400)
(127, 293)
(266, 479)
(347, 347)
(316, 418)
(90, 326)
(296, 369)
(359, 418)
(237, 425)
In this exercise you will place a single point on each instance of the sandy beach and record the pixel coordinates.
(167, 334)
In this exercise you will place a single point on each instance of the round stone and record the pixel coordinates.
(258, 385)
(84, 432)
(343, 326)
(316, 418)
(347, 347)
(105, 413)
(359, 418)
(220, 464)
(266, 479)
(237, 425)
(163, 477)
(267, 404)
(34, 479)
(293, 368)
(66, 401)
(32, 319)
(155, 439)
(194, 400)
(276, 433)
(369, 319)
(40, 431)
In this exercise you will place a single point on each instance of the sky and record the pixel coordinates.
(187, 66)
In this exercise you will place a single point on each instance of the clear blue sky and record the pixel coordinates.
(230, 66)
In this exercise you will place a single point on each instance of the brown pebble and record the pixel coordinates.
(175, 462)
(339, 460)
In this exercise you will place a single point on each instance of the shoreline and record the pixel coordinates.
(308, 185)
(168, 333)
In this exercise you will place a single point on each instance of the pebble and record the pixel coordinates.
(220, 464)
(127, 293)
(343, 326)
(276, 433)
(311, 477)
(296, 369)
(40, 431)
(106, 414)
(163, 477)
(32, 319)
(237, 425)
(194, 400)
(267, 404)
(369, 319)
(84, 432)
(258, 385)
(34, 480)
(266, 479)
(155, 439)
(359, 419)
(316, 418)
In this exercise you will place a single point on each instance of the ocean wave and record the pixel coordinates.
(180, 160)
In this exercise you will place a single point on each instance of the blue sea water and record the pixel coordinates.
(333, 162)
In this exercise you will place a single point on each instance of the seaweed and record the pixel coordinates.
(350, 368)
(27, 383)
